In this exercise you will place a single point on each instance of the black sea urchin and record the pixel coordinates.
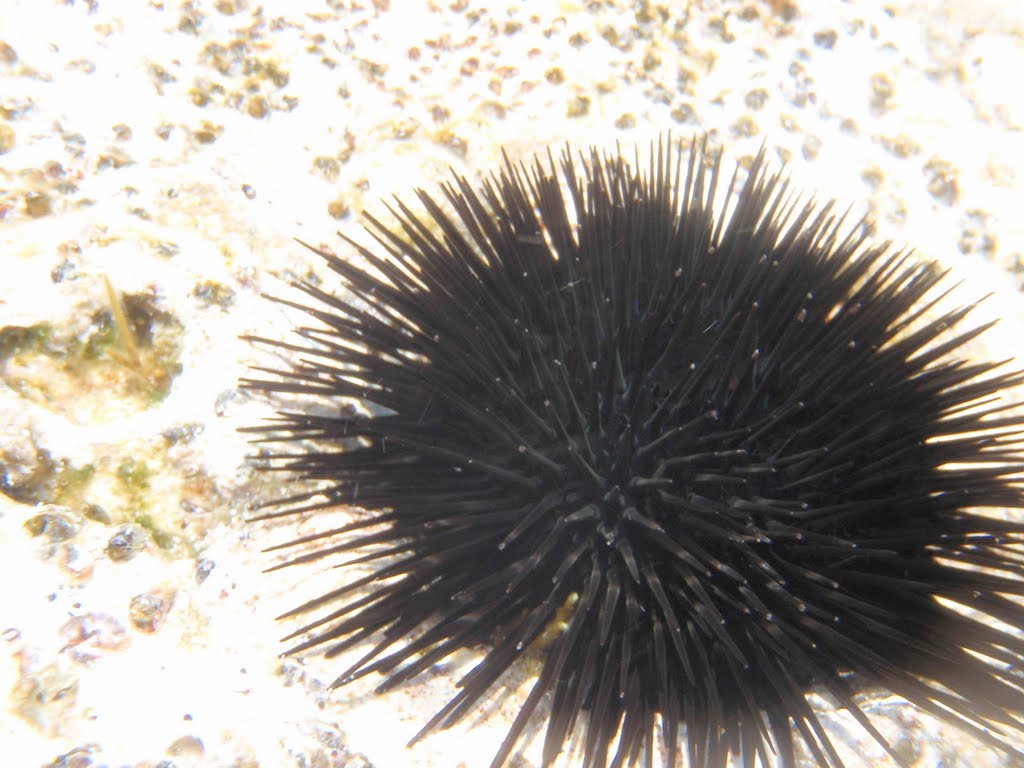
(697, 464)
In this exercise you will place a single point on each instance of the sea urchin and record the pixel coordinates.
(698, 464)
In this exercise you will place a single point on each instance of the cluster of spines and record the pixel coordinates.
(735, 453)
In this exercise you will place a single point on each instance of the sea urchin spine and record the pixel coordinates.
(734, 454)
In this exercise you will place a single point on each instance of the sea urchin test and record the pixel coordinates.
(696, 463)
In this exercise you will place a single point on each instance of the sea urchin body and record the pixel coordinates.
(698, 463)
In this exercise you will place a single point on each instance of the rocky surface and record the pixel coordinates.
(157, 160)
